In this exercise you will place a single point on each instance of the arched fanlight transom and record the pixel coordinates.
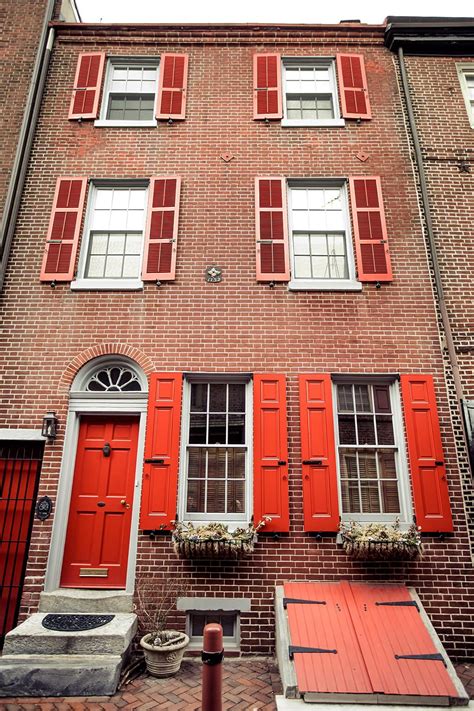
(114, 379)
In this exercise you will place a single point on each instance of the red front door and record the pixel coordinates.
(98, 534)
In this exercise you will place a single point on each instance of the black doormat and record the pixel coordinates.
(75, 623)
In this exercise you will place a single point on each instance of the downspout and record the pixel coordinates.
(429, 227)
(25, 140)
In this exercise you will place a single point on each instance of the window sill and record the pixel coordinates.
(102, 123)
(324, 285)
(107, 285)
(314, 122)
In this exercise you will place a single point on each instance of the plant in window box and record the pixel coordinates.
(214, 540)
(380, 541)
(163, 647)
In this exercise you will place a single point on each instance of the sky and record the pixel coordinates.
(271, 11)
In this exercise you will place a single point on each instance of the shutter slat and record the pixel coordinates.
(172, 86)
(271, 452)
(268, 101)
(425, 451)
(273, 262)
(160, 480)
(320, 488)
(370, 230)
(353, 86)
(161, 234)
(64, 229)
(87, 85)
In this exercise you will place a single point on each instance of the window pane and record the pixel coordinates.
(387, 465)
(236, 463)
(347, 431)
(302, 267)
(197, 429)
(98, 243)
(236, 397)
(133, 244)
(320, 268)
(385, 429)
(390, 500)
(348, 463)
(218, 397)
(196, 496)
(338, 268)
(236, 429)
(216, 463)
(236, 496)
(103, 199)
(95, 267)
(365, 429)
(319, 245)
(370, 497)
(216, 496)
(345, 401)
(227, 622)
(367, 465)
(350, 497)
(197, 463)
(113, 267)
(199, 397)
(217, 429)
(131, 267)
(197, 626)
(301, 244)
(116, 244)
(362, 398)
(382, 398)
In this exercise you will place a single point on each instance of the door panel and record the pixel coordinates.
(98, 534)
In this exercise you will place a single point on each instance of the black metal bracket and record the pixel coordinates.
(423, 657)
(297, 601)
(212, 658)
(400, 603)
(294, 649)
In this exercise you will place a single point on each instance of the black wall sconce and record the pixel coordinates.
(50, 426)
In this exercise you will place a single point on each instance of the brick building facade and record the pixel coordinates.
(349, 331)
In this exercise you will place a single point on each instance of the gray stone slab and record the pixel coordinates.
(59, 675)
(30, 637)
(87, 601)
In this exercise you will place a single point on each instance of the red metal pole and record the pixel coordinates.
(212, 655)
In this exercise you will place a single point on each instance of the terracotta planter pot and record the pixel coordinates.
(164, 661)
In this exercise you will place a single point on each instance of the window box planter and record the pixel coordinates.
(380, 542)
(214, 541)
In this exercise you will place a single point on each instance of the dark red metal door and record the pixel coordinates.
(20, 464)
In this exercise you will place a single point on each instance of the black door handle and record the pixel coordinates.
(101, 504)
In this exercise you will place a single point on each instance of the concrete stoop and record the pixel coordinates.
(41, 662)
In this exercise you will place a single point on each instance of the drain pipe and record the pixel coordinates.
(25, 140)
(429, 226)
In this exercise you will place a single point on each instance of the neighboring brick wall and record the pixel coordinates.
(447, 143)
(238, 325)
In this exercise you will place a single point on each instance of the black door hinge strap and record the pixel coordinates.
(297, 601)
(423, 657)
(294, 649)
(400, 603)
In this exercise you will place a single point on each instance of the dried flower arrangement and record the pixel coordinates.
(214, 540)
(381, 541)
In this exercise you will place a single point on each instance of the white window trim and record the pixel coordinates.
(350, 284)
(462, 70)
(82, 283)
(229, 643)
(232, 520)
(102, 121)
(401, 462)
(312, 61)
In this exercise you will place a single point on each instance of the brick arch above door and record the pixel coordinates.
(102, 349)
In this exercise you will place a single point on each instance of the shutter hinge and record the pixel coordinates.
(297, 601)
(400, 603)
(294, 649)
(423, 657)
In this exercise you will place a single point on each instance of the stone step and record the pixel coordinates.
(59, 675)
(86, 601)
(30, 637)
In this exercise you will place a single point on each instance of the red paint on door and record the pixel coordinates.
(100, 514)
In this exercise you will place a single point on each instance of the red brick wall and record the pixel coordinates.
(237, 325)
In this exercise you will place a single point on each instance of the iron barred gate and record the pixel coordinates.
(20, 465)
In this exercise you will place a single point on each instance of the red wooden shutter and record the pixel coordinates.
(160, 475)
(267, 96)
(161, 232)
(370, 230)
(353, 86)
(172, 86)
(273, 262)
(270, 452)
(64, 228)
(85, 96)
(318, 453)
(425, 451)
